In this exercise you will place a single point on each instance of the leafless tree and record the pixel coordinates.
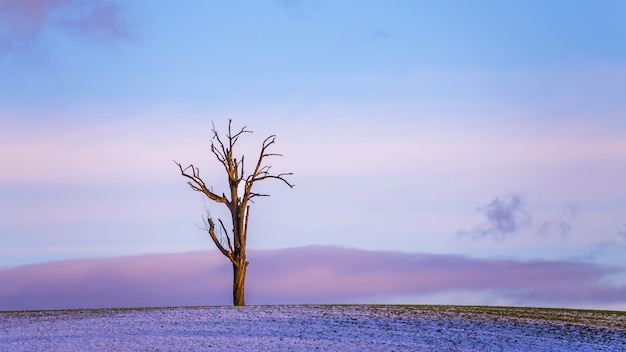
(233, 246)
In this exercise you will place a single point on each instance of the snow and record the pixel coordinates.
(314, 327)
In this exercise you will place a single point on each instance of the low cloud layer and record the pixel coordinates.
(304, 275)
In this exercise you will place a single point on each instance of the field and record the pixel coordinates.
(314, 327)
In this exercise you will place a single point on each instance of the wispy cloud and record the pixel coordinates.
(380, 34)
(563, 224)
(299, 275)
(567, 218)
(503, 217)
(299, 6)
(101, 18)
(622, 232)
(23, 22)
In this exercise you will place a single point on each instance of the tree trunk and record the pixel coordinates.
(239, 281)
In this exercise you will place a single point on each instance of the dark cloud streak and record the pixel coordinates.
(622, 233)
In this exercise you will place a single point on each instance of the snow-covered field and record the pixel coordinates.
(314, 327)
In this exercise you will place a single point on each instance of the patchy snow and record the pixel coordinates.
(314, 327)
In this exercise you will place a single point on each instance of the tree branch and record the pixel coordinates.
(218, 243)
(230, 246)
(262, 172)
(197, 184)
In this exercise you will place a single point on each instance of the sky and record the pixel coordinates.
(483, 131)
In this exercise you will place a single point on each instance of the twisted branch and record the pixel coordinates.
(211, 229)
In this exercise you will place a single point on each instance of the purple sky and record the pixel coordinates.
(482, 130)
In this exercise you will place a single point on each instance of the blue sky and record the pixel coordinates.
(486, 129)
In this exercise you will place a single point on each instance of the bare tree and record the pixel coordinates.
(233, 246)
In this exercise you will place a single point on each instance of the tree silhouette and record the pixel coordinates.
(234, 246)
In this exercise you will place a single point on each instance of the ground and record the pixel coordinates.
(314, 327)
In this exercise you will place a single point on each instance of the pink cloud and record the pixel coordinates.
(23, 21)
(300, 275)
(97, 17)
